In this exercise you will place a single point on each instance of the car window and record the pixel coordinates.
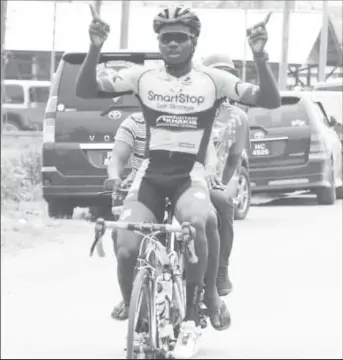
(14, 94)
(39, 94)
(332, 102)
(291, 113)
(67, 95)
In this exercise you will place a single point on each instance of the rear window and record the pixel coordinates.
(39, 94)
(67, 95)
(291, 113)
(14, 94)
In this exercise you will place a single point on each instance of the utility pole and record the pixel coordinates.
(124, 26)
(323, 42)
(3, 56)
(283, 67)
(53, 53)
(246, 5)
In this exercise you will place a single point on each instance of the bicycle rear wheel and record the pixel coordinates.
(142, 329)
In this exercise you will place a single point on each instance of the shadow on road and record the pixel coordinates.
(292, 201)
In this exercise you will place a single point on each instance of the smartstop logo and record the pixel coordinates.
(188, 122)
(179, 98)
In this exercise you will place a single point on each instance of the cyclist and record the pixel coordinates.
(130, 143)
(233, 121)
(179, 104)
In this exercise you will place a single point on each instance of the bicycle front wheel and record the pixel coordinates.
(142, 329)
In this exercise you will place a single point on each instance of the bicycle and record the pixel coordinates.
(159, 283)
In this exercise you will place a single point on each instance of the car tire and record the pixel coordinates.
(100, 211)
(241, 210)
(339, 192)
(327, 195)
(60, 209)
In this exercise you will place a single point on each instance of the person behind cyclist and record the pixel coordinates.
(233, 121)
(179, 104)
(130, 143)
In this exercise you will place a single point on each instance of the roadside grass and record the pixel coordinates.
(24, 219)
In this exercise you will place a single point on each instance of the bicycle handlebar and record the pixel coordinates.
(186, 229)
(144, 227)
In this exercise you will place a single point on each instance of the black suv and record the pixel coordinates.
(295, 147)
(78, 137)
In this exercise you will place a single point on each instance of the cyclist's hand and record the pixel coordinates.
(258, 36)
(213, 182)
(127, 182)
(232, 187)
(98, 29)
(112, 183)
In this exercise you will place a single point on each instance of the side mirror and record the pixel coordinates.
(333, 120)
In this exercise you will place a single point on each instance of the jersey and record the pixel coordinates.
(179, 112)
(132, 131)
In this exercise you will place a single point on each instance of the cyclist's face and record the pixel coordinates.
(176, 46)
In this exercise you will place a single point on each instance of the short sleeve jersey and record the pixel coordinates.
(132, 131)
(179, 112)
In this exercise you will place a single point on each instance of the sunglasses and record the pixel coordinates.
(177, 37)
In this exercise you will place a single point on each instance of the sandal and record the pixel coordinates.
(219, 317)
(120, 312)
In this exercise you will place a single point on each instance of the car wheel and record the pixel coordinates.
(100, 211)
(60, 209)
(243, 197)
(339, 192)
(11, 126)
(327, 195)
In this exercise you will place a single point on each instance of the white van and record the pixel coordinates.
(330, 85)
(24, 104)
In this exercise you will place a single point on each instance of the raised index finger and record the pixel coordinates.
(267, 18)
(95, 15)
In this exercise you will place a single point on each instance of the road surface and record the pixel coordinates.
(286, 269)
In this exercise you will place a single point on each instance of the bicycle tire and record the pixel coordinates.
(143, 283)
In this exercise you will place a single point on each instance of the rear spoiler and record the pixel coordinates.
(138, 57)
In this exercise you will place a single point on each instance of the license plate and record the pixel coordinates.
(260, 149)
(107, 158)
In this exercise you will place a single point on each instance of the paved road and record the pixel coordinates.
(287, 300)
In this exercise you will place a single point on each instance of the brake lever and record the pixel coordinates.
(100, 228)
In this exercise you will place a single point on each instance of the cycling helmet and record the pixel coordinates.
(178, 14)
(221, 61)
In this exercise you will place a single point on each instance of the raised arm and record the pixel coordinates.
(265, 95)
(108, 82)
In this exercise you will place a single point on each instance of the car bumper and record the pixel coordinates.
(81, 190)
(306, 177)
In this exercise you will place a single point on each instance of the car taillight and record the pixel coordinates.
(318, 148)
(49, 120)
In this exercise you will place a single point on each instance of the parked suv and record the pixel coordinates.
(78, 135)
(24, 105)
(295, 148)
(332, 101)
